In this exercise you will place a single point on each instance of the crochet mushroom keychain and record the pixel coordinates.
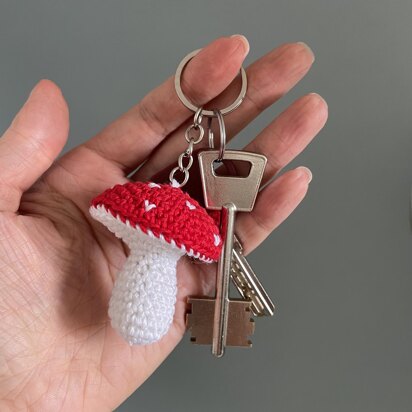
(159, 223)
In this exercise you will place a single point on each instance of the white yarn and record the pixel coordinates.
(144, 294)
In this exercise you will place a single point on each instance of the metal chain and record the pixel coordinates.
(188, 153)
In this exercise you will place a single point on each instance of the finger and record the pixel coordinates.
(290, 133)
(274, 204)
(32, 142)
(131, 138)
(269, 78)
(282, 140)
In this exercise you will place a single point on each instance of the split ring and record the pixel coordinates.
(191, 106)
(222, 132)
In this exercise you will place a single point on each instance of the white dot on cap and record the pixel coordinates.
(190, 206)
(148, 206)
(217, 240)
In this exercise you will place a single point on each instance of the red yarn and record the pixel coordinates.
(164, 210)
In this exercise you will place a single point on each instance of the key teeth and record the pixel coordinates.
(248, 284)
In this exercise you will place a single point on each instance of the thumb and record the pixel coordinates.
(32, 142)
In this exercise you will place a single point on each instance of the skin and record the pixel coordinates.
(57, 349)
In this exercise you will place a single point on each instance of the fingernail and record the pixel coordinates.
(34, 89)
(319, 97)
(308, 49)
(40, 84)
(307, 172)
(245, 42)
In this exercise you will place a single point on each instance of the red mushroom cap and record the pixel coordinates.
(166, 212)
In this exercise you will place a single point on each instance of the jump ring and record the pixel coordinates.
(190, 105)
(198, 116)
(195, 127)
(172, 176)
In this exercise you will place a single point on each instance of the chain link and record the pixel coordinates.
(188, 153)
(197, 139)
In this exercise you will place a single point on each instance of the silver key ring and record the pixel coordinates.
(222, 132)
(191, 106)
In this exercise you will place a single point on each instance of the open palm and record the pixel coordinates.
(57, 349)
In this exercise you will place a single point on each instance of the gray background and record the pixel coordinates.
(340, 268)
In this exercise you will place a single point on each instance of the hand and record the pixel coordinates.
(58, 265)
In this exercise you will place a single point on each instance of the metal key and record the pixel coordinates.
(248, 284)
(229, 194)
(236, 329)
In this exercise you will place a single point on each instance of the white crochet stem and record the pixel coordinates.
(144, 294)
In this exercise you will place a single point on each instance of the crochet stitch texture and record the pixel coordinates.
(159, 223)
(175, 215)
